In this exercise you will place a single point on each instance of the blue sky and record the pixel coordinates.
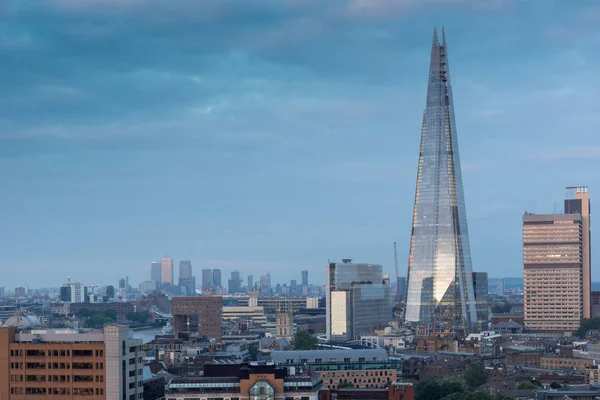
(275, 135)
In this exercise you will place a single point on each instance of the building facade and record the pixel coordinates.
(155, 272)
(305, 278)
(552, 271)
(358, 300)
(65, 364)
(440, 289)
(578, 202)
(206, 279)
(187, 282)
(216, 278)
(166, 271)
(365, 368)
(480, 288)
(198, 314)
(260, 381)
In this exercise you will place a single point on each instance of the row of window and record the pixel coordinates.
(56, 378)
(56, 353)
(57, 391)
(56, 365)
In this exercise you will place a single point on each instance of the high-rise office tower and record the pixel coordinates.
(206, 279)
(250, 283)
(305, 278)
(578, 202)
(122, 283)
(187, 282)
(166, 271)
(553, 271)
(480, 287)
(235, 283)
(440, 286)
(155, 271)
(216, 278)
(358, 299)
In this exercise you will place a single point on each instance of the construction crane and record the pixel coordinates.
(399, 308)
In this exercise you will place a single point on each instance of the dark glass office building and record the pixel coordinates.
(440, 287)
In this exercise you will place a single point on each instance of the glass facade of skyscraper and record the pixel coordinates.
(440, 287)
(359, 299)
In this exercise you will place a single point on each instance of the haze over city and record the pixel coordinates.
(273, 136)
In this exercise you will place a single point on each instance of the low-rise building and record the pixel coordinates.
(401, 391)
(592, 374)
(523, 355)
(254, 380)
(365, 368)
(565, 363)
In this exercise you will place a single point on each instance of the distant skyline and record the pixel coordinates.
(276, 135)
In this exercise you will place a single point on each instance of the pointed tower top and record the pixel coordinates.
(435, 36)
(443, 37)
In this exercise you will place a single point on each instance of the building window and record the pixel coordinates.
(261, 390)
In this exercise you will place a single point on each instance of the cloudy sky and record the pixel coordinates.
(275, 135)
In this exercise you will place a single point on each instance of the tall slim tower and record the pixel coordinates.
(440, 287)
(166, 271)
(578, 202)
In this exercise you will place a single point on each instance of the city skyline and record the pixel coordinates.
(192, 152)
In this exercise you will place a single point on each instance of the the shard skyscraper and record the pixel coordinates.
(440, 288)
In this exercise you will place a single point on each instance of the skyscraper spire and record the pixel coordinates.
(440, 287)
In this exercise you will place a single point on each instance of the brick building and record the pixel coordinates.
(393, 392)
(198, 314)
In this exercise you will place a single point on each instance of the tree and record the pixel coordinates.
(84, 313)
(111, 314)
(586, 325)
(555, 385)
(526, 385)
(475, 375)
(469, 396)
(501, 308)
(304, 341)
(345, 384)
(430, 389)
(140, 316)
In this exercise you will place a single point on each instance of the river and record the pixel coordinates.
(147, 335)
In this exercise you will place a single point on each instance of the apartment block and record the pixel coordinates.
(68, 364)
(553, 271)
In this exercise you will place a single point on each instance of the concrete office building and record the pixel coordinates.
(65, 364)
(358, 300)
(166, 271)
(198, 314)
(578, 202)
(553, 271)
